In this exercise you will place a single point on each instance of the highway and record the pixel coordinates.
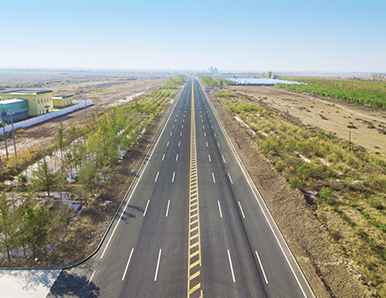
(191, 225)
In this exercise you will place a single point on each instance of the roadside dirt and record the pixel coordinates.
(320, 257)
(84, 235)
(366, 125)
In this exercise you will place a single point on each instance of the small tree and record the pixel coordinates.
(88, 177)
(60, 138)
(44, 177)
(6, 224)
(36, 223)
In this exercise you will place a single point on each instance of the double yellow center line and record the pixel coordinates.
(194, 253)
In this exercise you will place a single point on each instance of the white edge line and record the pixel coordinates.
(230, 264)
(219, 208)
(261, 266)
(241, 209)
(230, 178)
(156, 177)
(167, 209)
(127, 265)
(223, 158)
(135, 186)
(92, 275)
(156, 269)
(273, 220)
(147, 205)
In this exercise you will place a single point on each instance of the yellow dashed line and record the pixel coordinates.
(194, 250)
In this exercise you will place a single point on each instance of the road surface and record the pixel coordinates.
(191, 225)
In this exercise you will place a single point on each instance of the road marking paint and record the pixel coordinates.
(167, 209)
(230, 264)
(215, 135)
(241, 209)
(204, 134)
(210, 121)
(156, 269)
(206, 144)
(163, 157)
(214, 179)
(171, 133)
(174, 175)
(147, 205)
(194, 240)
(218, 144)
(167, 145)
(183, 120)
(182, 126)
(261, 266)
(92, 275)
(219, 208)
(127, 265)
(203, 126)
(179, 143)
(174, 125)
(202, 120)
(181, 134)
(223, 158)
(175, 120)
(177, 157)
(230, 178)
(210, 160)
(156, 177)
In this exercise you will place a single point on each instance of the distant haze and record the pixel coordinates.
(254, 35)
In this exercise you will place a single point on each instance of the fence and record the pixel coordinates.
(42, 118)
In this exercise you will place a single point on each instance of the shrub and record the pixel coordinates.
(325, 193)
(296, 182)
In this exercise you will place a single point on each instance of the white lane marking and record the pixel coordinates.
(210, 160)
(261, 266)
(215, 135)
(241, 209)
(218, 144)
(175, 120)
(167, 145)
(174, 175)
(174, 125)
(219, 208)
(171, 133)
(206, 144)
(230, 178)
(210, 121)
(181, 134)
(212, 127)
(214, 179)
(230, 264)
(163, 157)
(182, 126)
(203, 126)
(179, 143)
(156, 269)
(183, 120)
(202, 121)
(223, 158)
(177, 157)
(167, 209)
(92, 275)
(127, 265)
(205, 134)
(147, 205)
(156, 177)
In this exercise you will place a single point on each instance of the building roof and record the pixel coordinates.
(61, 96)
(27, 92)
(13, 100)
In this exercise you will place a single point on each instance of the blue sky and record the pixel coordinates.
(241, 35)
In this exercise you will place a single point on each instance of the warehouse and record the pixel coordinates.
(39, 102)
(18, 107)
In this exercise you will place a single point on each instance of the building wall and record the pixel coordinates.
(62, 102)
(37, 102)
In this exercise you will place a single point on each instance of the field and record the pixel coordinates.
(305, 138)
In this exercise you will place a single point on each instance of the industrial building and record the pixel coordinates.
(17, 108)
(62, 101)
(39, 102)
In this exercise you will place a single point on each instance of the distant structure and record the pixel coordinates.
(208, 88)
(213, 70)
(62, 101)
(16, 107)
(39, 102)
(216, 88)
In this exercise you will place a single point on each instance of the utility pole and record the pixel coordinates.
(13, 135)
(85, 106)
(117, 98)
(5, 139)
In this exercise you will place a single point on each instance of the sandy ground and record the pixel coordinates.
(366, 125)
(103, 94)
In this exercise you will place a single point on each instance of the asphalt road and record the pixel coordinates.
(192, 224)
